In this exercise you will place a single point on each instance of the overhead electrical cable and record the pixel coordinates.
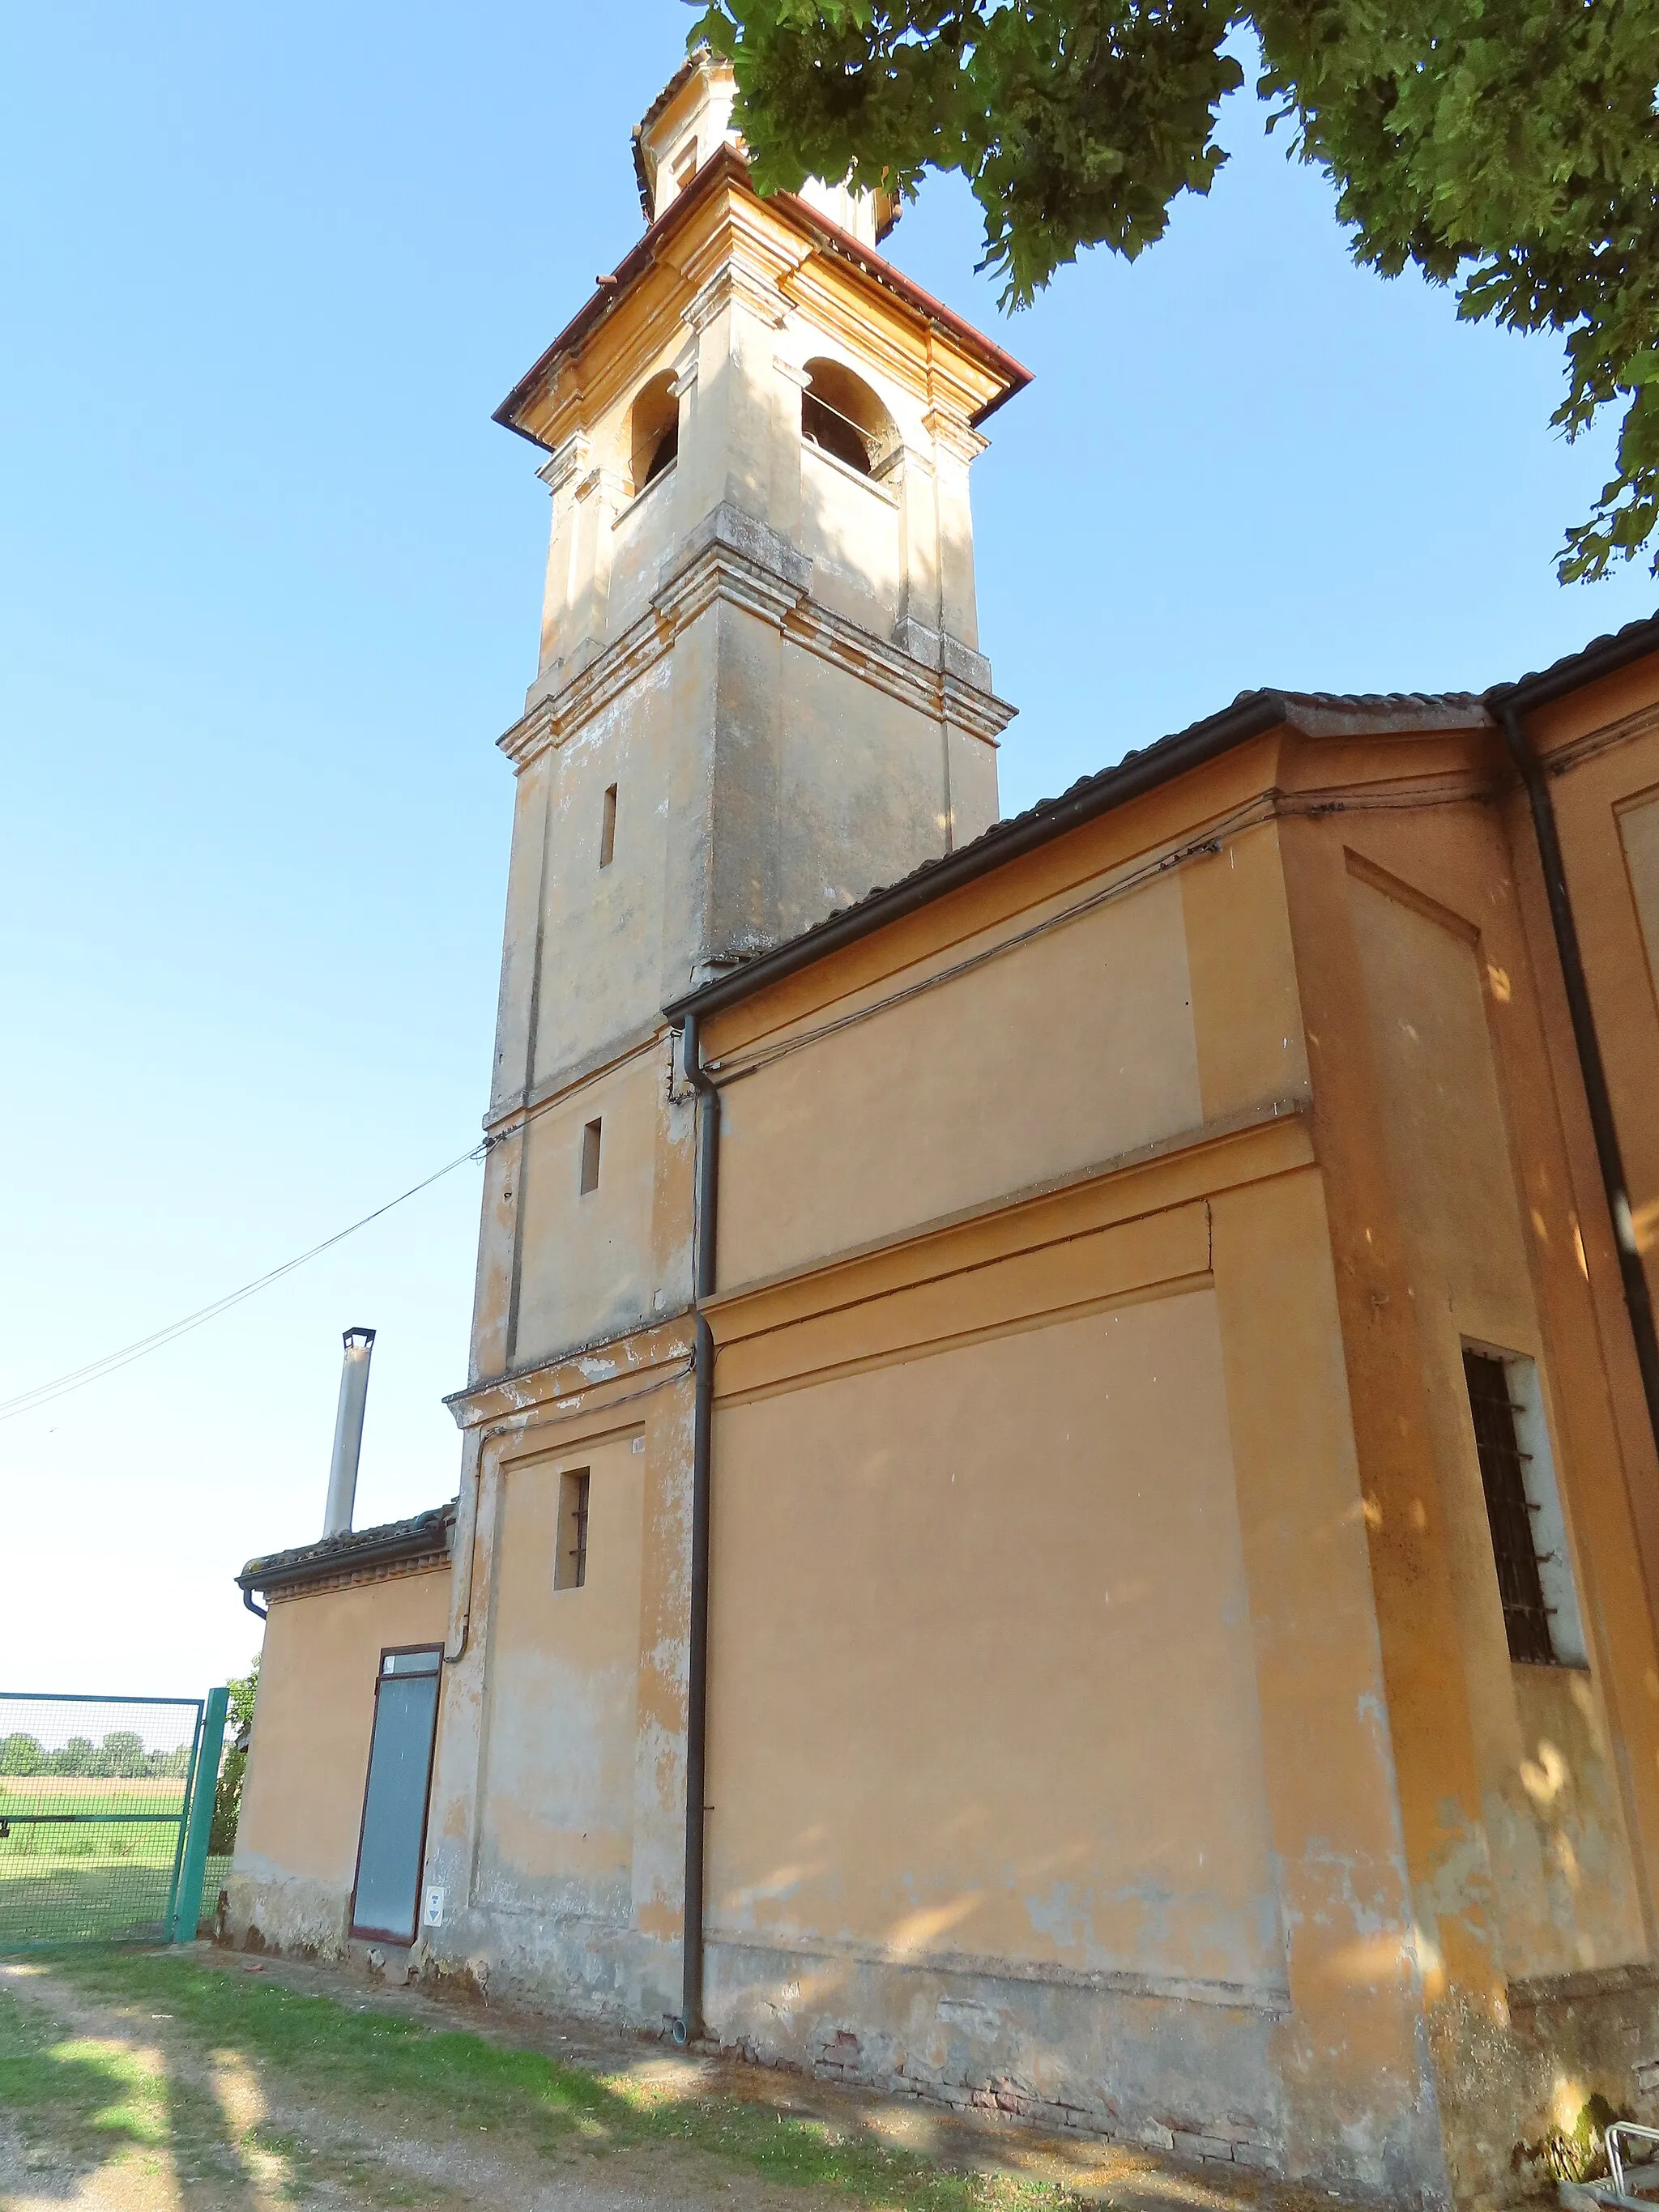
(95, 1369)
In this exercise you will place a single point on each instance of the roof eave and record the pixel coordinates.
(291, 1569)
(1606, 656)
(727, 164)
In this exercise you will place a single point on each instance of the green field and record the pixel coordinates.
(103, 1873)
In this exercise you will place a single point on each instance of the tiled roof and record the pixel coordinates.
(1601, 656)
(682, 75)
(1250, 712)
(394, 1540)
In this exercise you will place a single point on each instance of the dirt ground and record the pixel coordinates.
(225, 2133)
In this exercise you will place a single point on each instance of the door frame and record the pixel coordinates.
(354, 1933)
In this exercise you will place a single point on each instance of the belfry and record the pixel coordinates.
(1059, 1505)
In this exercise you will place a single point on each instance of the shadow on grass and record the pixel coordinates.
(92, 2098)
(81, 2102)
(400, 2075)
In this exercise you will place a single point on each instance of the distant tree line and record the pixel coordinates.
(120, 1756)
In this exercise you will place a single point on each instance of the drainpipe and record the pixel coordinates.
(1638, 1302)
(688, 2027)
(348, 1431)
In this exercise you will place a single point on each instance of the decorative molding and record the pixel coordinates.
(390, 1570)
(614, 488)
(595, 1377)
(507, 1113)
(734, 282)
(568, 459)
(1158, 1177)
(950, 434)
(1563, 759)
(733, 557)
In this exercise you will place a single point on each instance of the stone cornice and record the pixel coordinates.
(734, 558)
(595, 1378)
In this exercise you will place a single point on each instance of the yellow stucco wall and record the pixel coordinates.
(302, 1800)
(556, 1797)
(1565, 1892)
(971, 1127)
(941, 1582)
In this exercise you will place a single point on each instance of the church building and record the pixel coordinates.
(1059, 1499)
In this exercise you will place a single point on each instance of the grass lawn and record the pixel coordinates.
(322, 2087)
(107, 1873)
(102, 1893)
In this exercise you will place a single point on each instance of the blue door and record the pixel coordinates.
(387, 1896)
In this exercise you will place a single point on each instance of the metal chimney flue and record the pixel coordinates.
(348, 1431)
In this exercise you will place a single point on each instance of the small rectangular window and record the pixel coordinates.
(1523, 1510)
(570, 1561)
(590, 1157)
(685, 165)
(608, 827)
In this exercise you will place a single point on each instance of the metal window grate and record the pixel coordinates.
(1509, 1511)
(570, 1562)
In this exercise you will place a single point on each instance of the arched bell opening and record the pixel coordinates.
(653, 430)
(841, 415)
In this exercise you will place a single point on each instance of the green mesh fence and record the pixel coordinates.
(94, 1795)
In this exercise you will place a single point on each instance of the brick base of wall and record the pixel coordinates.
(838, 2055)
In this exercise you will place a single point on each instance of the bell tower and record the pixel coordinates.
(760, 690)
(760, 694)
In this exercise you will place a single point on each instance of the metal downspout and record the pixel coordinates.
(1638, 1302)
(689, 2027)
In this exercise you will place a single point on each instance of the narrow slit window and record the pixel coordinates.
(1523, 1511)
(685, 165)
(570, 1562)
(608, 827)
(590, 1157)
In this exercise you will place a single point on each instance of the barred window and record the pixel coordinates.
(570, 1561)
(1523, 1510)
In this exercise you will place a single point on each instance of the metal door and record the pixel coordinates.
(391, 1845)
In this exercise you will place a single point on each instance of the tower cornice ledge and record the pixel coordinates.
(735, 557)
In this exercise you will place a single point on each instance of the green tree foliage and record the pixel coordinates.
(122, 1753)
(1510, 147)
(227, 1798)
(77, 1756)
(22, 1754)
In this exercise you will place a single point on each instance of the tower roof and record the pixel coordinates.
(725, 170)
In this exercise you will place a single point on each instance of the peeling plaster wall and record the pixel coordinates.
(557, 1809)
(1175, 2071)
(557, 1820)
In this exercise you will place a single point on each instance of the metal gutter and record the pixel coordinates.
(1510, 702)
(689, 2027)
(398, 1539)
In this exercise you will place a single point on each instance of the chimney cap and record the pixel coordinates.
(358, 1340)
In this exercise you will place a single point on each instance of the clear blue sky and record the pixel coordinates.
(270, 588)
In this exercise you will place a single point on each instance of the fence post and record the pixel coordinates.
(187, 1904)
